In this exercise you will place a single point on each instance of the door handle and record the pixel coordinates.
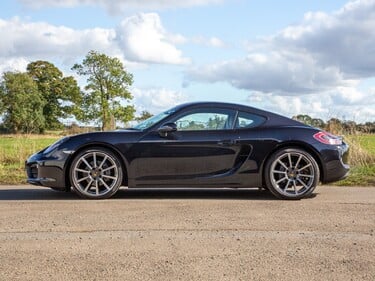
(226, 142)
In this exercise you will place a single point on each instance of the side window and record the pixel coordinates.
(206, 120)
(248, 120)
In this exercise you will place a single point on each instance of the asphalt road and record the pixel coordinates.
(187, 235)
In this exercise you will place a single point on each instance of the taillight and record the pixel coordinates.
(328, 138)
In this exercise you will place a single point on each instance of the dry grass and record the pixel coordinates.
(361, 151)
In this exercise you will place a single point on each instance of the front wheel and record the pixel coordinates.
(291, 173)
(96, 173)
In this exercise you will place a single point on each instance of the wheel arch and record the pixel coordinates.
(294, 144)
(108, 146)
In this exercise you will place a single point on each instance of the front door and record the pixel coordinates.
(202, 151)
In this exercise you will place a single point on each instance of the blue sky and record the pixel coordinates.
(291, 57)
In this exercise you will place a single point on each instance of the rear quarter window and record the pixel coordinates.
(248, 120)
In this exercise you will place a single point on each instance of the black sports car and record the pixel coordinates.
(204, 144)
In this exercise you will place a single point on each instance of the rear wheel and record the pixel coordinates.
(96, 173)
(291, 173)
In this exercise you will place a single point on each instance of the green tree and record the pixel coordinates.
(193, 125)
(349, 127)
(22, 104)
(318, 123)
(216, 123)
(62, 95)
(144, 116)
(304, 118)
(107, 87)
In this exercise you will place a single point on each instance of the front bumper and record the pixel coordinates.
(46, 172)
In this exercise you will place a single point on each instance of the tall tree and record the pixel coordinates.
(107, 88)
(62, 95)
(22, 104)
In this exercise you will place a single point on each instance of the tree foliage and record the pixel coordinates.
(308, 120)
(337, 126)
(144, 116)
(106, 90)
(216, 123)
(61, 95)
(21, 104)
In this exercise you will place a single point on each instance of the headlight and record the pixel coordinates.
(55, 145)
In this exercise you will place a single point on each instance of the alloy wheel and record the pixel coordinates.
(293, 174)
(96, 174)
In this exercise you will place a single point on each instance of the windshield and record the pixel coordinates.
(153, 120)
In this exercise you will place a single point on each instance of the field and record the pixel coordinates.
(368, 142)
(362, 160)
(15, 149)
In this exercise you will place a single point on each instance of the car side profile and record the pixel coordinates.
(201, 144)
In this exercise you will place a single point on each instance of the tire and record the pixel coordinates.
(96, 173)
(291, 173)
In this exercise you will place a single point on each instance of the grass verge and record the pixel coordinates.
(360, 176)
(15, 149)
(361, 160)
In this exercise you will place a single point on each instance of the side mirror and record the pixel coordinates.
(166, 129)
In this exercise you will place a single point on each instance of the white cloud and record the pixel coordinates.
(118, 6)
(344, 102)
(344, 39)
(139, 39)
(143, 38)
(279, 73)
(39, 39)
(323, 52)
(352, 96)
(157, 99)
(13, 64)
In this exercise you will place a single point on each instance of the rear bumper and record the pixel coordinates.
(336, 171)
(335, 167)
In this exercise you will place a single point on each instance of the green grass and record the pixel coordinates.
(362, 161)
(360, 175)
(15, 149)
(367, 142)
